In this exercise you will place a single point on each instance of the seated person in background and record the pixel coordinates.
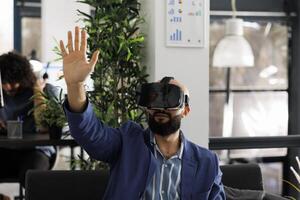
(19, 84)
(42, 76)
(48, 88)
(156, 163)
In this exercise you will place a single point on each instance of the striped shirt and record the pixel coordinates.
(165, 183)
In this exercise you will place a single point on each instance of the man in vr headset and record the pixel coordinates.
(156, 163)
(167, 102)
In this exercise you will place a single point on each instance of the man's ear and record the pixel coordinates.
(186, 111)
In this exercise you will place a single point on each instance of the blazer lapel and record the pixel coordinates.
(188, 173)
(153, 162)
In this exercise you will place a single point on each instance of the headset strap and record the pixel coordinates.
(166, 79)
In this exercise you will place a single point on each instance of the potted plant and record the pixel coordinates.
(52, 116)
(114, 29)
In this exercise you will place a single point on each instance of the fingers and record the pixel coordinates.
(94, 59)
(70, 42)
(83, 41)
(79, 46)
(62, 48)
(76, 38)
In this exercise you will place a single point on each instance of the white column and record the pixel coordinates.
(188, 65)
(58, 17)
(6, 26)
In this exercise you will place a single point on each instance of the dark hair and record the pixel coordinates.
(15, 68)
(45, 76)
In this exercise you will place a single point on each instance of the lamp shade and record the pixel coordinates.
(233, 50)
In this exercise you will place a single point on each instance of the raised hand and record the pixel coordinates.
(76, 67)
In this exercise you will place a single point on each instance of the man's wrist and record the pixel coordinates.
(68, 107)
(76, 96)
(75, 85)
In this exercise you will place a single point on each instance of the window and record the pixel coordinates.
(31, 36)
(256, 102)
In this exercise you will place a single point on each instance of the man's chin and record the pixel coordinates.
(165, 134)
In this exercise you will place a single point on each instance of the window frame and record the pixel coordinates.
(290, 10)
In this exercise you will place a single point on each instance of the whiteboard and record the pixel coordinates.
(185, 23)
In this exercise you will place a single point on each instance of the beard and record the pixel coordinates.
(164, 129)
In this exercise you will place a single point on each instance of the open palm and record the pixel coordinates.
(76, 67)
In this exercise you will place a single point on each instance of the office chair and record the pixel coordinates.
(250, 173)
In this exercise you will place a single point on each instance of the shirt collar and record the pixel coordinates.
(179, 152)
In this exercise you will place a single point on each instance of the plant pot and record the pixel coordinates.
(55, 132)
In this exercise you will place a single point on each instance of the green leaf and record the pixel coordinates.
(291, 184)
(113, 28)
(85, 15)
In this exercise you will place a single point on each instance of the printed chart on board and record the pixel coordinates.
(185, 23)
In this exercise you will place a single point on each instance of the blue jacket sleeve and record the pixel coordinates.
(100, 141)
(217, 190)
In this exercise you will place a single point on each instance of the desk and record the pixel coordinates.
(33, 140)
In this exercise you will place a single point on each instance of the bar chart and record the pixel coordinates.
(185, 23)
(176, 19)
(176, 36)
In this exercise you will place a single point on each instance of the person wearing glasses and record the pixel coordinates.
(156, 163)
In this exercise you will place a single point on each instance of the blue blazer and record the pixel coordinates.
(128, 151)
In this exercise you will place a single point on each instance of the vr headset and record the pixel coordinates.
(161, 95)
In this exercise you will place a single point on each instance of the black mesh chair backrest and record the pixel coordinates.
(66, 185)
(242, 176)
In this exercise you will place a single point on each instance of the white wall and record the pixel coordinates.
(58, 17)
(6, 26)
(188, 65)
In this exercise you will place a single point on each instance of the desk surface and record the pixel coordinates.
(31, 140)
(290, 141)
